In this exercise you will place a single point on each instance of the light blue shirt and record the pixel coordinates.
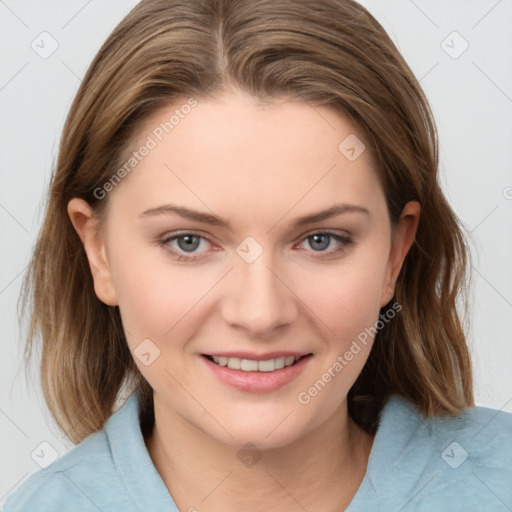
(455, 464)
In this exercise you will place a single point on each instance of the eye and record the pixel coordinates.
(184, 245)
(322, 240)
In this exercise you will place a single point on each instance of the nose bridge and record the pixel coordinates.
(257, 300)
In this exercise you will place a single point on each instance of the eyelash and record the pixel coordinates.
(182, 256)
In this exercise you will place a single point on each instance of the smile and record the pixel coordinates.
(256, 373)
(254, 365)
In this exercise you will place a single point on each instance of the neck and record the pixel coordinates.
(321, 471)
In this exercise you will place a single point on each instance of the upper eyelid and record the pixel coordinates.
(300, 237)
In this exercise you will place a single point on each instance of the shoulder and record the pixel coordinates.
(461, 462)
(111, 470)
(478, 435)
(482, 429)
(78, 478)
(85, 478)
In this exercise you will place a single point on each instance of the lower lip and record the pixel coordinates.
(258, 382)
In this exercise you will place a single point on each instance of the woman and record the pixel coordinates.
(245, 231)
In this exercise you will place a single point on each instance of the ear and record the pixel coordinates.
(402, 240)
(85, 225)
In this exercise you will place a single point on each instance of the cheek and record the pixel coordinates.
(345, 300)
(153, 296)
(348, 309)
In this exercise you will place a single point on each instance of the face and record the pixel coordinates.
(243, 241)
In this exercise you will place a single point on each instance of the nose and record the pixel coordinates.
(257, 299)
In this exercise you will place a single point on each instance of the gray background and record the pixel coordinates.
(471, 96)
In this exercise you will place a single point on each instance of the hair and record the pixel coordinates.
(323, 52)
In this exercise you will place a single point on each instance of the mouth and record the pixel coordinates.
(256, 365)
(257, 373)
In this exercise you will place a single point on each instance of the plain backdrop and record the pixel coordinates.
(460, 50)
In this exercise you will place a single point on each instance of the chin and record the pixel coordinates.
(265, 430)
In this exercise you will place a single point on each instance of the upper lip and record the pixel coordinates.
(258, 357)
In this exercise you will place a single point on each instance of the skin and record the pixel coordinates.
(260, 167)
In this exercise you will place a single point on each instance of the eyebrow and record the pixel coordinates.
(213, 220)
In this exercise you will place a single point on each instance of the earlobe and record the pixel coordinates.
(402, 240)
(81, 216)
(387, 294)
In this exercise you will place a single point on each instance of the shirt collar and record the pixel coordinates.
(391, 452)
(132, 460)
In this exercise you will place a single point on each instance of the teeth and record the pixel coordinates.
(289, 360)
(234, 363)
(248, 365)
(266, 366)
(251, 365)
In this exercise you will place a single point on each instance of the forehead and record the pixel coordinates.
(234, 150)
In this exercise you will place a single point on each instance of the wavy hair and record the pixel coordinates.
(324, 52)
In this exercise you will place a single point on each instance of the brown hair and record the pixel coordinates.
(324, 52)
